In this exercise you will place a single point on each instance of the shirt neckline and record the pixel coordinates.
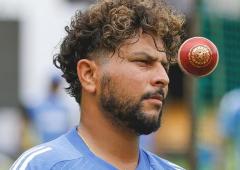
(77, 141)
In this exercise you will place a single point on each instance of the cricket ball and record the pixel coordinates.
(198, 56)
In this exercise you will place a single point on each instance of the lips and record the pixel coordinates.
(157, 97)
(156, 100)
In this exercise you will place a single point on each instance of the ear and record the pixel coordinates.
(86, 71)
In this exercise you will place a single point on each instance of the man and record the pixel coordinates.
(115, 57)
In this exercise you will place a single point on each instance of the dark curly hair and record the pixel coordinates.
(106, 24)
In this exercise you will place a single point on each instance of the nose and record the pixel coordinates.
(160, 77)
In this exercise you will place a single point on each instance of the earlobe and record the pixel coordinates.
(86, 71)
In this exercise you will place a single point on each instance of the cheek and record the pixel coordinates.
(130, 82)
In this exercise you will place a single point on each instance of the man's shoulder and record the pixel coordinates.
(46, 155)
(160, 163)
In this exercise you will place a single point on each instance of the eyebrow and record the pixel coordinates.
(149, 56)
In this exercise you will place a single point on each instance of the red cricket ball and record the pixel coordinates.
(198, 56)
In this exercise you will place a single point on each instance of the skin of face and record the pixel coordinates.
(134, 83)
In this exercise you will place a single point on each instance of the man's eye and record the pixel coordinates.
(143, 62)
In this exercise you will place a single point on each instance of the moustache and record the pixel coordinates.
(158, 93)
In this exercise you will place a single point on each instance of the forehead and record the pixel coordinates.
(143, 43)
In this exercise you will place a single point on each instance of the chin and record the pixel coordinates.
(153, 113)
(149, 123)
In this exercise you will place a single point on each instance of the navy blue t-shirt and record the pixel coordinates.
(70, 152)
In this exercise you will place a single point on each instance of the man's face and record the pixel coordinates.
(133, 86)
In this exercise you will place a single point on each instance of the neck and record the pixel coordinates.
(109, 142)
